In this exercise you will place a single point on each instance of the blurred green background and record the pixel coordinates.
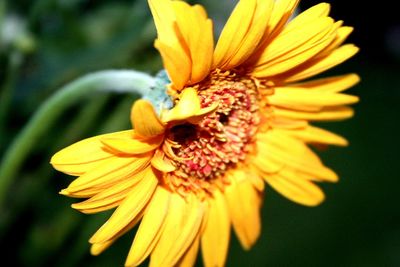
(47, 43)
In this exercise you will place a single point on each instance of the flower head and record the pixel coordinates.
(241, 117)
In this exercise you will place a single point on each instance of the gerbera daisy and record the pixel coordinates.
(240, 118)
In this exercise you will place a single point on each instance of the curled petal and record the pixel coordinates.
(188, 108)
(160, 163)
(145, 120)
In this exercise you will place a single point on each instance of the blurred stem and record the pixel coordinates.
(113, 80)
(7, 88)
(31, 187)
(3, 8)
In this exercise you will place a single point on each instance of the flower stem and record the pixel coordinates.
(7, 88)
(112, 80)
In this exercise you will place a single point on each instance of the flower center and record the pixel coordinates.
(205, 151)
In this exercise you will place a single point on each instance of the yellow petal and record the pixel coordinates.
(161, 163)
(234, 32)
(216, 235)
(244, 209)
(98, 248)
(182, 226)
(290, 97)
(325, 114)
(84, 155)
(164, 19)
(129, 209)
(196, 118)
(277, 147)
(282, 11)
(176, 62)
(197, 32)
(298, 190)
(313, 68)
(105, 175)
(312, 134)
(318, 11)
(278, 17)
(252, 37)
(188, 106)
(145, 120)
(341, 36)
(189, 258)
(256, 181)
(287, 41)
(285, 123)
(333, 84)
(287, 51)
(150, 228)
(267, 164)
(133, 146)
(170, 43)
(109, 197)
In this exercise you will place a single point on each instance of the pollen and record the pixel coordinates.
(203, 152)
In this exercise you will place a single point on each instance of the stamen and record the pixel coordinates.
(203, 152)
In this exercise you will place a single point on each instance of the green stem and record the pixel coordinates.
(8, 87)
(29, 188)
(113, 80)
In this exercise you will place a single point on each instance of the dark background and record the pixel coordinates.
(357, 225)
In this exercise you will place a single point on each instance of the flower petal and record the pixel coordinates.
(145, 120)
(290, 97)
(298, 190)
(334, 84)
(126, 212)
(281, 12)
(317, 11)
(257, 26)
(287, 51)
(111, 171)
(176, 62)
(311, 134)
(150, 228)
(109, 197)
(216, 235)
(133, 146)
(244, 208)
(196, 118)
(187, 106)
(325, 114)
(182, 226)
(98, 248)
(286, 151)
(164, 19)
(170, 43)
(161, 163)
(319, 65)
(84, 155)
(197, 32)
(189, 258)
(234, 32)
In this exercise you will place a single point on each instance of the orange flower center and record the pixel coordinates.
(205, 151)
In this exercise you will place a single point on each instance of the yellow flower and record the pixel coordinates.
(240, 118)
